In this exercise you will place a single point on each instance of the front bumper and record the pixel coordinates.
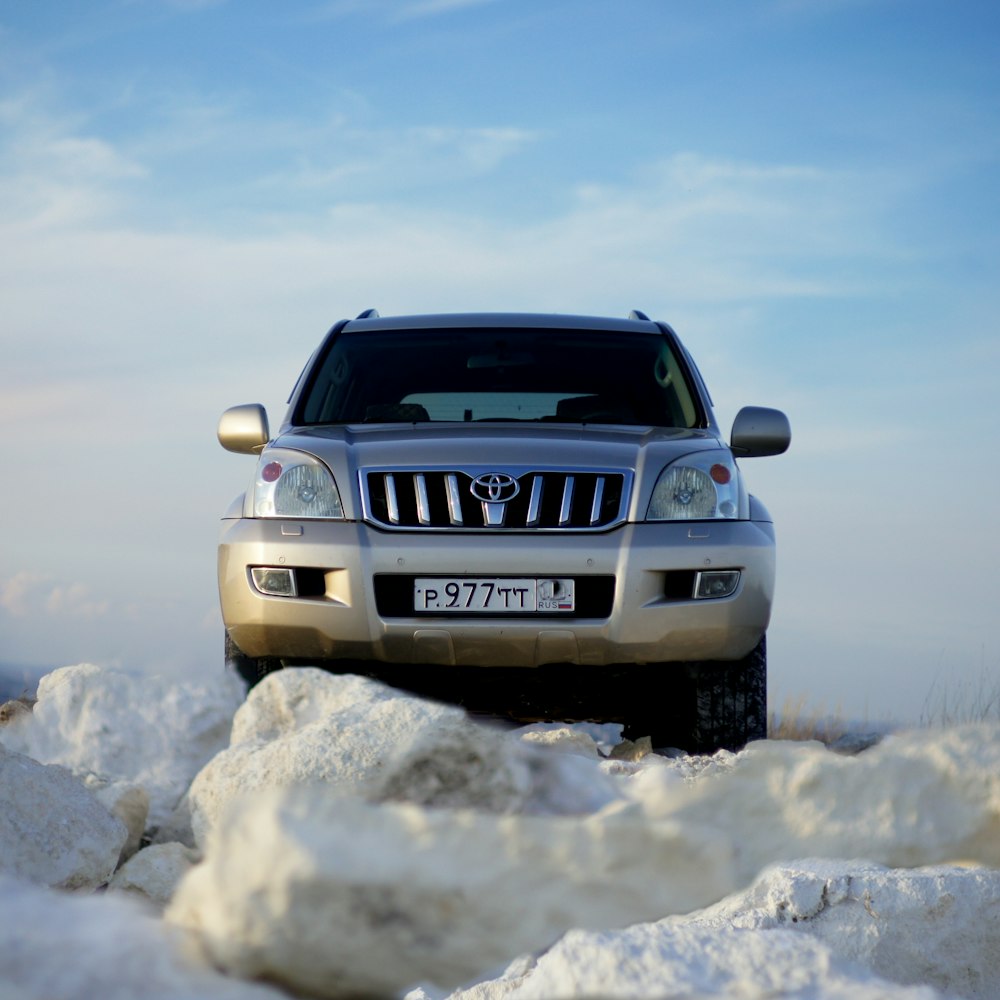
(648, 619)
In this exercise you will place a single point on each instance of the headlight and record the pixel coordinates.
(293, 484)
(697, 487)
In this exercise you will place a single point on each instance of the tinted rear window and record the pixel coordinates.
(499, 375)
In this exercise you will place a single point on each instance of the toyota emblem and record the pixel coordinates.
(494, 487)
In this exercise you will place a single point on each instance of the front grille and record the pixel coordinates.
(595, 596)
(545, 500)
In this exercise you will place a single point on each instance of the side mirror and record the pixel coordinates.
(759, 431)
(244, 429)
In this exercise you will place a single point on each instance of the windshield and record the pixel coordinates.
(494, 374)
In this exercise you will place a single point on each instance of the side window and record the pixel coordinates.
(676, 391)
(327, 394)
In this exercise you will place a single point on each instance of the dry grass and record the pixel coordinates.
(962, 702)
(970, 701)
(795, 721)
(16, 708)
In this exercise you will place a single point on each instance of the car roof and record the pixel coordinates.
(370, 320)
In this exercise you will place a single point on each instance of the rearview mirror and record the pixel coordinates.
(244, 429)
(760, 431)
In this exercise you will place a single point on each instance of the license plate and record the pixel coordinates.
(475, 595)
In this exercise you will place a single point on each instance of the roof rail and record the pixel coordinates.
(638, 314)
(368, 314)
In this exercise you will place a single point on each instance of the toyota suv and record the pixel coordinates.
(530, 515)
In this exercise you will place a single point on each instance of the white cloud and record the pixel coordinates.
(431, 8)
(481, 148)
(688, 233)
(75, 600)
(15, 593)
(794, 226)
(199, 154)
(338, 162)
(820, 8)
(34, 595)
(54, 173)
(397, 10)
(83, 157)
(194, 4)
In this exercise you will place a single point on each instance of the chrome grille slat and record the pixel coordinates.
(566, 510)
(454, 499)
(423, 504)
(392, 503)
(546, 499)
(595, 507)
(494, 514)
(534, 503)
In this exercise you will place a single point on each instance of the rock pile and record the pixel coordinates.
(338, 838)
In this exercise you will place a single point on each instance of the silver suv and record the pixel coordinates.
(530, 515)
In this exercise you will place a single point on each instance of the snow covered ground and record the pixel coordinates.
(332, 837)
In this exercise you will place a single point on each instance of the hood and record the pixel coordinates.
(346, 449)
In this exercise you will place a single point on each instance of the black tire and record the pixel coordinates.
(730, 702)
(251, 671)
(710, 705)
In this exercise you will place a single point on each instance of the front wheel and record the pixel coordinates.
(730, 702)
(713, 705)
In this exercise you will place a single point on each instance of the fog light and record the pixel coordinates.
(274, 582)
(719, 583)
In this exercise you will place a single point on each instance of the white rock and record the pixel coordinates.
(62, 946)
(915, 799)
(568, 739)
(333, 896)
(153, 732)
(176, 828)
(287, 701)
(567, 784)
(53, 831)
(129, 803)
(686, 962)
(445, 760)
(939, 926)
(463, 765)
(305, 728)
(155, 872)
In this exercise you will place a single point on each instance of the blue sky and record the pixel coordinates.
(191, 192)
